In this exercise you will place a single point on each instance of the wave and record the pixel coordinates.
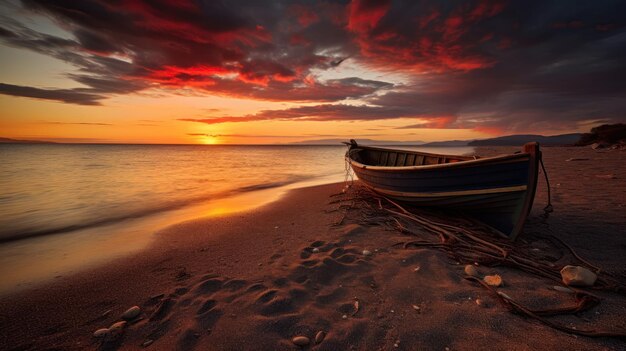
(169, 206)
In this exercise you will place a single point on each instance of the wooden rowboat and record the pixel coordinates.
(498, 191)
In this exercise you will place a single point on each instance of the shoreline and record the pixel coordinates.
(32, 261)
(252, 280)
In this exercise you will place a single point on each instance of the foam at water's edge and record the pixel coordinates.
(172, 205)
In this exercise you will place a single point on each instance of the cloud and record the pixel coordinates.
(324, 112)
(73, 96)
(483, 64)
(79, 123)
(213, 47)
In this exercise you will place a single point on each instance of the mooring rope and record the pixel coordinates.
(548, 209)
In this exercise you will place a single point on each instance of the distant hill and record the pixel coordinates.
(448, 143)
(17, 141)
(360, 141)
(520, 139)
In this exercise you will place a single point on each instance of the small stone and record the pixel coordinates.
(100, 333)
(319, 337)
(472, 271)
(563, 289)
(396, 345)
(367, 253)
(117, 329)
(416, 269)
(147, 343)
(493, 280)
(345, 316)
(578, 276)
(416, 307)
(480, 302)
(118, 325)
(105, 314)
(131, 313)
(301, 340)
(597, 146)
(315, 250)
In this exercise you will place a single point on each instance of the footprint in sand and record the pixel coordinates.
(234, 285)
(209, 286)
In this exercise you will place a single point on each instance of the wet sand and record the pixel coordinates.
(256, 279)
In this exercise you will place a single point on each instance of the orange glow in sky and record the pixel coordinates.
(251, 74)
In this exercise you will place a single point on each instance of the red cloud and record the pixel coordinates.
(365, 14)
(436, 42)
(305, 15)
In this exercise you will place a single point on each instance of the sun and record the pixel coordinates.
(210, 140)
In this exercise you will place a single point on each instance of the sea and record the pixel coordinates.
(65, 207)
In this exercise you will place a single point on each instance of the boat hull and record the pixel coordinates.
(497, 191)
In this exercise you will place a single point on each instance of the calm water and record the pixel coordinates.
(80, 204)
(55, 188)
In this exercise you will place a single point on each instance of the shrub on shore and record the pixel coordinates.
(606, 135)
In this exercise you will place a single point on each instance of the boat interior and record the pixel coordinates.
(395, 158)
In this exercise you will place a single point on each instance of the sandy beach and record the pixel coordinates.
(254, 280)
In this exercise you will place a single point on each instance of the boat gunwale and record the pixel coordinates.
(459, 164)
(375, 148)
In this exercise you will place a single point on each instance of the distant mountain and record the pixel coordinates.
(520, 139)
(448, 143)
(17, 141)
(360, 141)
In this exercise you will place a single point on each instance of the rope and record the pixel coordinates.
(548, 209)
(467, 242)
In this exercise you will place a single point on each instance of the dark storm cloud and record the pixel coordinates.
(73, 96)
(516, 65)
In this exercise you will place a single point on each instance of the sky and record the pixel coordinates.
(253, 72)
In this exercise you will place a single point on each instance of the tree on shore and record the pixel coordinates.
(606, 134)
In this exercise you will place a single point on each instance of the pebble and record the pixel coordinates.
(105, 314)
(493, 280)
(416, 269)
(117, 329)
(147, 343)
(301, 340)
(480, 302)
(100, 333)
(345, 316)
(578, 276)
(131, 313)
(416, 307)
(315, 250)
(367, 253)
(319, 337)
(472, 271)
